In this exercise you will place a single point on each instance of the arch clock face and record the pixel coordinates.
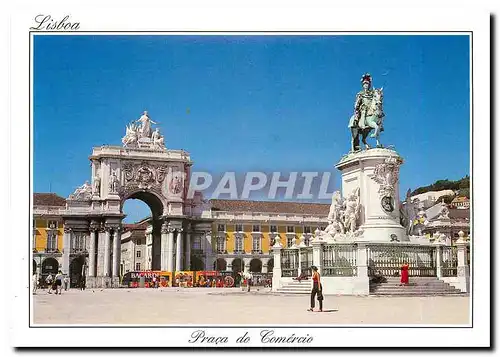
(387, 203)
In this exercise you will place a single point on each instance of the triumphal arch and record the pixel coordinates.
(143, 168)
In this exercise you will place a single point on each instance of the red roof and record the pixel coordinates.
(136, 226)
(319, 209)
(48, 199)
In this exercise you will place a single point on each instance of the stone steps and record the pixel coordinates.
(295, 287)
(419, 286)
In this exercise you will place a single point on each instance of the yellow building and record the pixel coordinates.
(243, 232)
(48, 230)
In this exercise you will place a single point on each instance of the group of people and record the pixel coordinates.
(55, 283)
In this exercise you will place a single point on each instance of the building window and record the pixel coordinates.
(197, 242)
(51, 242)
(137, 266)
(256, 244)
(239, 228)
(77, 242)
(221, 228)
(138, 254)
(306, 240)
(273, 229)
(307, 229)
(221, 244)
(52, 224)
(290, 229)
(255, 228)
(322, 228)
(238, 244)
(290, 241)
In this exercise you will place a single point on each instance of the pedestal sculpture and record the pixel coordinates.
(375, 173)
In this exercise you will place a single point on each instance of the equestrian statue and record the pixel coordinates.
(368, 114)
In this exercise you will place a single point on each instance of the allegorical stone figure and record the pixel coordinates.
(145, 129)
(113, 183)
(96, 189)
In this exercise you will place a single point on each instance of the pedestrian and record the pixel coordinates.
(59, 282)
(35, 283)
(49, 281)
(66, 283)
(316, 290)
(249, 281)
(404, 274)
(82, 283)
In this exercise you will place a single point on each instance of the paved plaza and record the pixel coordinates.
(200, 306)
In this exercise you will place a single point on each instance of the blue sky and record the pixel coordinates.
(249, 103)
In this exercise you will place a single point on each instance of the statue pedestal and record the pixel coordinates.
(376, 173)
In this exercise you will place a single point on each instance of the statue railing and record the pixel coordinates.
(306, 260)
(387, 259)
(289, 262)
(339, 260)
(449, 261)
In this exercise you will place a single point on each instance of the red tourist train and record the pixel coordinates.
(188, 279)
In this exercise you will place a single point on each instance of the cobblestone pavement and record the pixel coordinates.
(203, 306)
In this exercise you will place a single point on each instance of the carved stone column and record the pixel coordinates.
(187, 265)
(66, 250)
(170, 249)
(101, 237)
(164, 247)
(178, 253)
(107, 252)
(207, 248)
(92, 249)
(116, 252)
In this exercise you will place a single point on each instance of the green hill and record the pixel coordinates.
(462, 185)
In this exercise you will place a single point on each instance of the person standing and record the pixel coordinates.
(316, 290)
(58, 282)
(66, 283)
(49, 281)
(404, 274)
(34, 281)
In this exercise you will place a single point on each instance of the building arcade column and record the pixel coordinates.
(187, 265)
(170, 249)
(107, 252)
(66, 250)
(178, 253)
(92, 250)
(164, 247)
(206, 248)
(101, 237)
(116, 252)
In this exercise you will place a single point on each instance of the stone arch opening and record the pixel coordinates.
(50, 266)
(255, 266)
(237, 265)
(76, 270)
(196, 263)
(149, 198)
(220, 264)
(143, 239)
